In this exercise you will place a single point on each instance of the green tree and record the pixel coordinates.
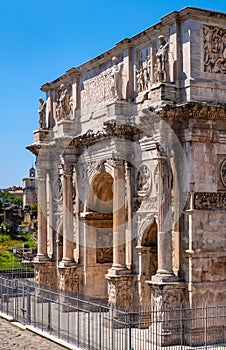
(7, 197)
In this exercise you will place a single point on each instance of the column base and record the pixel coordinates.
(118, 270)
(66, 263)
(164, 277)
(41, 258)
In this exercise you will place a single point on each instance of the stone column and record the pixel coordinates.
(49, 210)
(68, 239)
(121, 289)
(42, 217)
(164, 272)
(119, 218)
(129, 238)
(190, 251)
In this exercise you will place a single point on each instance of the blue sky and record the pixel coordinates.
(41, 39)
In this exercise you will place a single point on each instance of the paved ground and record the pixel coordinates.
(12, 337)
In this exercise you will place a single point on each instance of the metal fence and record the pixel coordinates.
(89, 325)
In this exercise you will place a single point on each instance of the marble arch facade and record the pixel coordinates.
(145, 125)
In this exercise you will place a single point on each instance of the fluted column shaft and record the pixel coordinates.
(42, 216)
(68, 239)
(119, 216)
(164, 217)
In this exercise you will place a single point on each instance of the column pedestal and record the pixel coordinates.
(45, 273)
(68, 279)
(167, 303)
(121, 290)
(68, 283)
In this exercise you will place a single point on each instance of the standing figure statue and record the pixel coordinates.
(116, 79)
(161, 73)
(140, 82)
(42, 113)
(63, 103)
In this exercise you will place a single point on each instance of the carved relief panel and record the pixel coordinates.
(214, 45)
(144, 69)
(152, 65)
(103, 83)
(210, 201)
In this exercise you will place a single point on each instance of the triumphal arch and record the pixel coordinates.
(131, 168)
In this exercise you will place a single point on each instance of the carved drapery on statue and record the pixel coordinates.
(42, 114)
(64, 107)
(214, 43)
(161, 67)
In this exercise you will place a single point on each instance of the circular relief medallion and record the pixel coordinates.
(223, 172)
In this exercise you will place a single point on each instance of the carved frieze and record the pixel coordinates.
(210, 201)
(193, 110)
(214, 49)
(123, 131)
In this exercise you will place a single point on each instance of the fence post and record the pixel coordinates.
(49, 316)
(68, 322)
(206, 325)
(78, 323)
(15, 306)
(181, 327)
(130, 339)
(100, 344)
(89, 330)
(112, 328)
(59, 304)
(28, 305)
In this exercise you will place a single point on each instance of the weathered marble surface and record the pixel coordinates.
(131, 154)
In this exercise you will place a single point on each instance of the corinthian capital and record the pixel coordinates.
(68, 170)
(40, 173)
